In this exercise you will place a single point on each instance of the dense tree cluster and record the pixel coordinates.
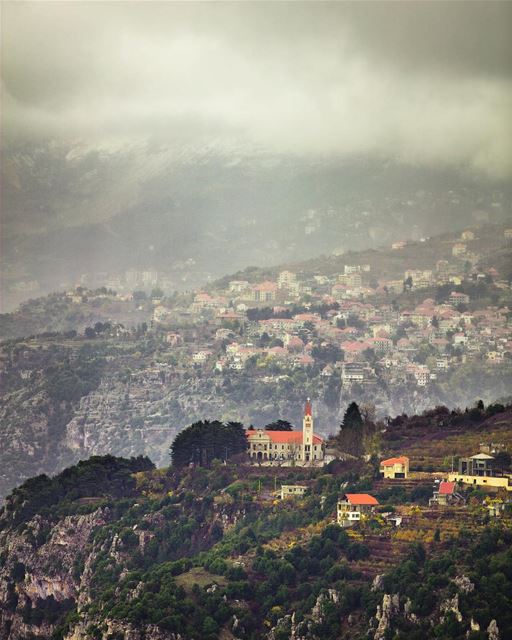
(173, 545)
(70, 381)
(279, 425)
(486, 560)
(205, 441)
(99, 476)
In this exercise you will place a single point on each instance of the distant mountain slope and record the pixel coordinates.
(69, 210)
(493, 249)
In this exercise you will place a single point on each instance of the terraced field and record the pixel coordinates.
(386, 550)
(430, 447)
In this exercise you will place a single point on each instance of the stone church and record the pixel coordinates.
(286, 447)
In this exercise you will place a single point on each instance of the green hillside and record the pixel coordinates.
(114, 548)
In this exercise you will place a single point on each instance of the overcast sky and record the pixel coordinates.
(425, 83)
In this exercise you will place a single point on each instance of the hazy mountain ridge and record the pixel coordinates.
(56, 406)
(70, 210)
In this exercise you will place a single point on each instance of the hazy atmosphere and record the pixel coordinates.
(418, 82)
(195, 139)
(256, 320)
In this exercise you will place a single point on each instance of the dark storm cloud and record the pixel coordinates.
(424, 82)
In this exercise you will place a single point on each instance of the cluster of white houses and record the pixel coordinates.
(305, 448)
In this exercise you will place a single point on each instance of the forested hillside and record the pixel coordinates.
(114, 547)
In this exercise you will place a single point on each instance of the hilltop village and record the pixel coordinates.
(489, 470)
(486, 474)
(356, 329)
(398, 330)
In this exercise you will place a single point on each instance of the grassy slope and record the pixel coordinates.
(429, 444)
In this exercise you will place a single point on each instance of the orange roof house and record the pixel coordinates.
(445, 494)
(353, 507)
(446, 488)
(391, 461)
(395, 468)
(361, 499)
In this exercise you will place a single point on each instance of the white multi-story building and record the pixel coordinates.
(286, 279)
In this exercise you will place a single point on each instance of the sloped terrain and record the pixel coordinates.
(71, 210)
(435, 437)
(114, 547)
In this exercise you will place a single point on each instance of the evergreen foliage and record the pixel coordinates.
(205, 441)
(99, 476)
(273, 560)
(279, 425)
(350, 437)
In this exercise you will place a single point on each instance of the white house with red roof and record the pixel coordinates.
(445, 493)
(353, 507)
(300, 447)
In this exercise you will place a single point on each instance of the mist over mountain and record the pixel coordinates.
(196, 139)
(195, 213)
(220, 221)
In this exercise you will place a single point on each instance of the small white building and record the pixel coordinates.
(292, 490)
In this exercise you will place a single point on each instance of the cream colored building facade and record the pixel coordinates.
(494, 482)
(353, 507)
(287, 447)
(292, 490)
(395, 468)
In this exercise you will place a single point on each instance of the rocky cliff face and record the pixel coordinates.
(51, 418)
(31, 431)
(127, 419)
(53, 565)
(42, 572)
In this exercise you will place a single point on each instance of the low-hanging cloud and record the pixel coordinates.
(420, 82)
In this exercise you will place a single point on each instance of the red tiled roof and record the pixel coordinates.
(446, 488)
(278, 350)
(354, 346)
(361, 498)
(266, 286)
(285, 437)
(391, 461)
(307, 409)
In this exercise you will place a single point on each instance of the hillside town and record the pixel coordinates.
(399, 331)
(410, 317)
(354, 325)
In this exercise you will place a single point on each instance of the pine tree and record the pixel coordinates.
(279, 425)
(352, 418)
(350, 437)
